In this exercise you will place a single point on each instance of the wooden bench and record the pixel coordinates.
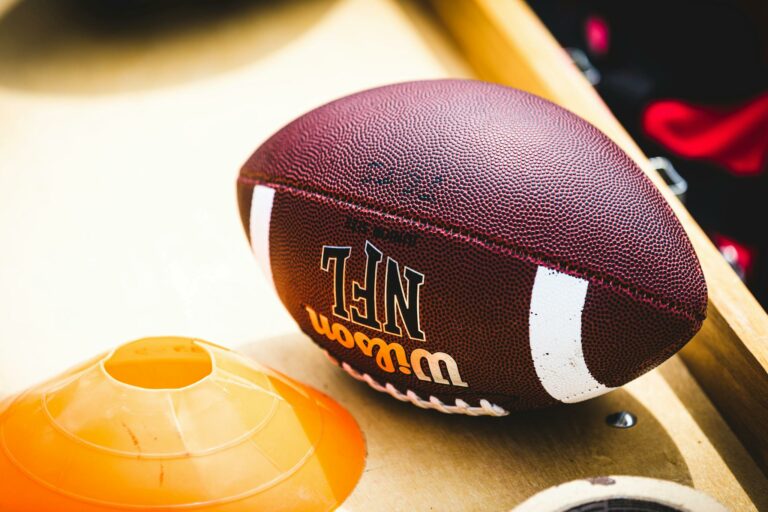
(118, 155)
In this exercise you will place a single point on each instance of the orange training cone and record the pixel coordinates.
(175, 424)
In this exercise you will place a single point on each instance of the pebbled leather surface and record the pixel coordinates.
(494, 181)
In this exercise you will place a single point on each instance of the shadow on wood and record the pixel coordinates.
(419, 459)
(96, 47)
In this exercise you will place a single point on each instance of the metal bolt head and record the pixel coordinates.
(621, 419)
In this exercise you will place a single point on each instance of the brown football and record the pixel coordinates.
(469, 247)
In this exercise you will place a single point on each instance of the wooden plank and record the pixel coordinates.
(506, 43)
(119, 220)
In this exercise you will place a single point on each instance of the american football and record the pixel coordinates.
(470, 248)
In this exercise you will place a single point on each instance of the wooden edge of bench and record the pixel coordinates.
(505, 42)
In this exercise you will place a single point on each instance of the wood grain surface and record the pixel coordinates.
(120, 143)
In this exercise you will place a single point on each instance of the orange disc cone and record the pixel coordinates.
(175, 424)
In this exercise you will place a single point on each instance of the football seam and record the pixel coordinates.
(567, 268)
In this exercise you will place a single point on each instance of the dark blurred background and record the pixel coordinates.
(689, 80)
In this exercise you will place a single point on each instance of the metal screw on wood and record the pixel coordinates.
(621, 419)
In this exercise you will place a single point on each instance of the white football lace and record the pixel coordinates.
(486, 408)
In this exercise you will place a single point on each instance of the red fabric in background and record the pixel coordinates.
(598, 35)
(735, 138)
